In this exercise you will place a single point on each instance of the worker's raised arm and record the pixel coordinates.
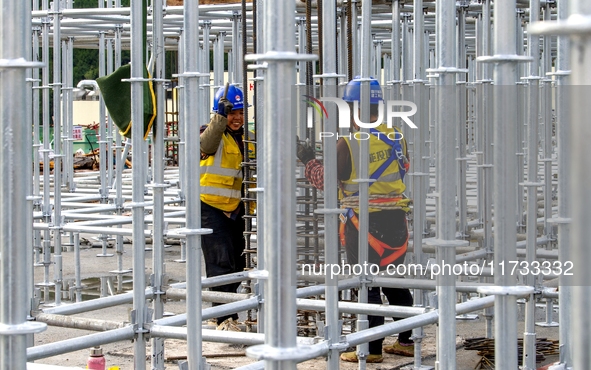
(211, 134)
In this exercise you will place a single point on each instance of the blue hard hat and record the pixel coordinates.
(234, 96)
(353, 91)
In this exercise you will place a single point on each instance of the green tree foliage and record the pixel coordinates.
(86, 61)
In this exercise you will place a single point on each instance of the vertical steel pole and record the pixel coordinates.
(533, 43)
(404, 46)
(236, 79)
(57, 148)
(279, 188)
(102, 132)
(580, 179)
(342, 42)
(15, 174)
(139, 168)
(104, 191)
(446, 180)
(331, 242)
(158, 185)
(417, 164)
(260, 133)
(192, 173)
(395, 46)
(67, 65)
(505, 182)
(206, 86)
(36, 141)
(486, 139)
(30, 235)
(219, 60)
(462, 121)
(478, 127)
(355, 38)
(564, 137)
(109, 123)
(181, 132)
(522, 96)
(363, 173)
(547, 117)
(119, 163)
(47, 207)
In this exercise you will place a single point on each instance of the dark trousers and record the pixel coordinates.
(399, 297)
(389, 226)
(222, 249)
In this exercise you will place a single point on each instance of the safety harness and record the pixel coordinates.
(403, 165)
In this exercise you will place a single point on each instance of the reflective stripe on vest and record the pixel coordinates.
(221, 176)
(228, 193)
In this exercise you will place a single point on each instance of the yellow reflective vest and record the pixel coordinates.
(221, 176)
(390, 181)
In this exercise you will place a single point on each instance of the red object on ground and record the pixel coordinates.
(96, 361)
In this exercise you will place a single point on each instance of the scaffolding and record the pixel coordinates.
(498, 177)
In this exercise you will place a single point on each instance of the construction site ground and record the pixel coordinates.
(226, 356)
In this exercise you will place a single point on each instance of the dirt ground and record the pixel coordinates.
(219, 355)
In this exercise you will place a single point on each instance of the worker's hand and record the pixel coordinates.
(305, 152)
(224, 106)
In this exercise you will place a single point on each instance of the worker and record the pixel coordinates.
(388, 232)
(222, 152)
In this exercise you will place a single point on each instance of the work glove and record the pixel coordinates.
(224, 106)
(305, 152)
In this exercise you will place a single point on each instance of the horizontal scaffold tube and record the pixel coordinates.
(76, 344)
(217, 336)
(382, 331)
(78, 322)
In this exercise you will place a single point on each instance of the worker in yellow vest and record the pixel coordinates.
(222, 152)
(388, 232)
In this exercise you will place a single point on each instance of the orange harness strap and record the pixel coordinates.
(377, 245)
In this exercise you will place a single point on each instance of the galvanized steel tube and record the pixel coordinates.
(533, 43)
(331, 242)
(363, 173)
(417, 165)
(446, 180)
(563, 138)
(139, 179)
(158, 186)
(57, 149)
(580, 179)
(192, 173)
(504, 179)
(15, 184)
(279, 183)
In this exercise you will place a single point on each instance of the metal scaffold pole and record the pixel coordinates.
(191, 171)
(419, 172)
(363, 176)
(158, 186)
(580, 178)
(331, 210)
(15, 177)
(258, 118)
(280, 348)
(139, 147)
(446, 179)
(504, 112)
(564, 136)
(532, 184)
